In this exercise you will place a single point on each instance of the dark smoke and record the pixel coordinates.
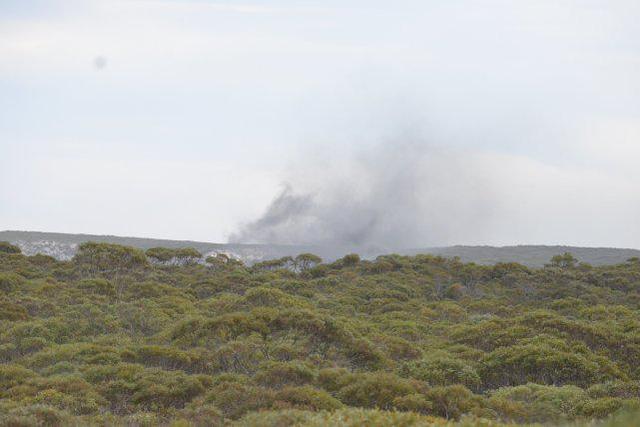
(396, 195)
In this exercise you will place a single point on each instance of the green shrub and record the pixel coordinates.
(13, 375)
(601, 408)
(452, 401)
(306, 397)
(12, 312)
(545, 360)
(442, 370)
(375, 390)
(235, 400)
(169, 256)
(414, 403)
(10, 282)
(334, 379)
(8, 248)
(35, 415)
(279, 374)
(198, 414)
(156, 389)
(538, 403)
(109, 258)
(98, 287)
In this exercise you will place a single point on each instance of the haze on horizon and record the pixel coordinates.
(404, 124)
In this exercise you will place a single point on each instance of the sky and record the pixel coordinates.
(406, 123)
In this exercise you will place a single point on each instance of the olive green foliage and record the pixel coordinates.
(119, 337)
(178, 256)
(109, 258)
(565, 260)
(8, 248)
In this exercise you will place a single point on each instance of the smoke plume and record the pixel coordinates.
(396, 195)
(406, 193)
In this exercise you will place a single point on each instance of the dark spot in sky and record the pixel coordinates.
(100, 62)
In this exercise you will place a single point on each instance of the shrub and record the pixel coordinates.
(350, 260)
(42, 260)
(544, 360)
(348, 417)
(414, 403)
(10, 281)
(13, 375)
(622, 389)
(375, 390)
(601, 408)
(169, 256)
(306, 397)
(451, 401)
(538, 403)
(306, 261)
(8, 248)
(198, 414)
(156, 389)
(109, 258)
(34, 415)
(442, 370)
(12, 312)
(279, 374)
(334, 379)
(97, 287)
(242, 356)
(235, 400)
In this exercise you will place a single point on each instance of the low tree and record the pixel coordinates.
(349, 260)
(284, 263)
(109, 258)
(221, 261)
(304, 262)
(170, 256)
(566, 260)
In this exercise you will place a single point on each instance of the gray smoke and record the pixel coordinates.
(399, 194)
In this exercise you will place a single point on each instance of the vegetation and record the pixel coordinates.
(8, 248)
(63, 246)
(119, 337)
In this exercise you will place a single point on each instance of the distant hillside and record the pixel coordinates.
(63, 246)
(531, 255)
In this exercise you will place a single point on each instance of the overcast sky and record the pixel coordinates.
(185, 119)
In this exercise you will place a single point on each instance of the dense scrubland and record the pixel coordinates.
(117, 336)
